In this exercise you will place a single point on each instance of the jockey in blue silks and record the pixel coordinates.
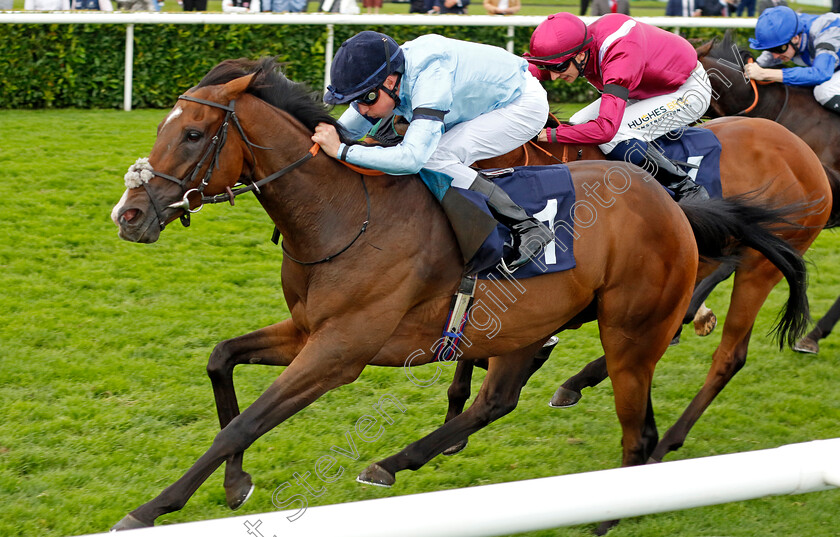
(810, 41)
(464, 101)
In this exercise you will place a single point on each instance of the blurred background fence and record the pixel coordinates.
(145, 60)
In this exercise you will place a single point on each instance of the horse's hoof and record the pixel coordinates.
(457, 448)
(129, 523)
(604, 527)
(675, 341)
(705, 323)
(238, 494)
(564, 398)
(807, 346)
(377, 476)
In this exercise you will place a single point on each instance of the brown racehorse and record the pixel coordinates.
(370, 265)
(759, 158)
(792, 106)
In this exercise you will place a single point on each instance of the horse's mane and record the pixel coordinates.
(726, 47)
(272, 86)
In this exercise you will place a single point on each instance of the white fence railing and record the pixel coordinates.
(329, 20)
(535, 504)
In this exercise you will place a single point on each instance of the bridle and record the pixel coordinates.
(214, 148)
(754, 85)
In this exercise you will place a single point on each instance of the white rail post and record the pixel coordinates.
(510, 40)
(129, 66)
(328, 54)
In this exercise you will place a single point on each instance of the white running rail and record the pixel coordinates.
(550, 502)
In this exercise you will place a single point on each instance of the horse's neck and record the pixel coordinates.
(798, 110)
(772, 102)
(313, 203)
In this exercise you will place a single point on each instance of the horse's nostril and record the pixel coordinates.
(129, 215)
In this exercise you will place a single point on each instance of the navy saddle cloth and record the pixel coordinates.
(699, 147)
(547, 193)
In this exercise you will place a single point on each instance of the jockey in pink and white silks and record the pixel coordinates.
(650, 80)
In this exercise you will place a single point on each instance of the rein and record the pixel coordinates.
(754, 85)
(215, 147)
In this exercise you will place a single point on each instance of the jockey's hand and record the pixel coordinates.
(542, 136)
(327, 137)
(757, 72)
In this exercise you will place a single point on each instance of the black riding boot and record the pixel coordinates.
(528, 234)
(833, 104)
(673, 177)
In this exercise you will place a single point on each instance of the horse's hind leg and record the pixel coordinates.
(277, 344)
(569, 393)
(631, 363)
(458, 393)
(498, 396)
(459, 390)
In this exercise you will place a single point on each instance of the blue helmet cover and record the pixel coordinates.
(776, 26)
(361, 64)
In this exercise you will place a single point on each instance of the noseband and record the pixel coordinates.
(214, 149)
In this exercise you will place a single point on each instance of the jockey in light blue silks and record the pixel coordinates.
(810, 41)
(464, 101)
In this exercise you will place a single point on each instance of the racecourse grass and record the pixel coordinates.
(105, 400)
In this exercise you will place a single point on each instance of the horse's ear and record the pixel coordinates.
(703, 50)
(237, 86)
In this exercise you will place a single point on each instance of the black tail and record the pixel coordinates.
(834, 181)
(722, 226)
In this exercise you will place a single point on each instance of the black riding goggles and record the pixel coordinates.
(781, 49)
(369, 98)
(557, 67)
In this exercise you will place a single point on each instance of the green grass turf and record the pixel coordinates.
(104, 343)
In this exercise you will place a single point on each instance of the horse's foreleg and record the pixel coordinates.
(810, 343)
(724, 366)
(320, 367)
(277, 345)
(749, 292)
(705, 287)
(569, 393)
(498, 396)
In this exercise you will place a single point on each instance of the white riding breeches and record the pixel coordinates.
(648, 119)
(490, 135)
(828, 89)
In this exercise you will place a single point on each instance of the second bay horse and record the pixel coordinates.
(760, 159)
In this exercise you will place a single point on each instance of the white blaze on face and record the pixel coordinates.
(172, 115)
(115, 213)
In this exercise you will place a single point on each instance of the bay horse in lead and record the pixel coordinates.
(359, 250)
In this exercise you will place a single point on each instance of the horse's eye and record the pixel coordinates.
(193, 136)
